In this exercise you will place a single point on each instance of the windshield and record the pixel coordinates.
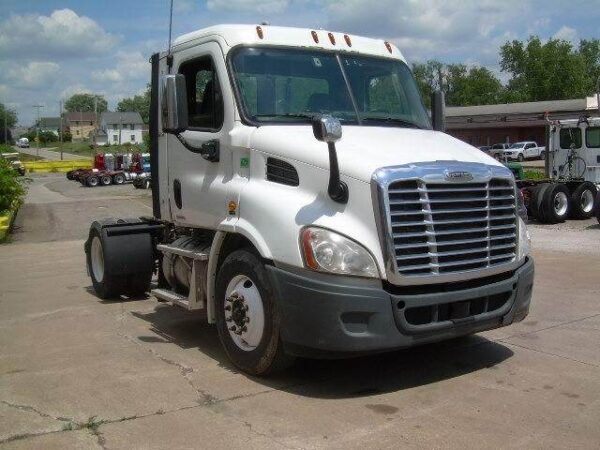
(293, 85)
(517, 145)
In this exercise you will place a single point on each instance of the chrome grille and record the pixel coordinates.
(444, 228)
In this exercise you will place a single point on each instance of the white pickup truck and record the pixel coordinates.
(521, 151)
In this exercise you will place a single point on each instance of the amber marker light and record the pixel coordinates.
(348, 41)
(331, 38)
(259, 31)
(315, 36)
(388, 46)
(309, 257)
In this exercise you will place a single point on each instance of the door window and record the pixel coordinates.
(570, 136)
(205, 101)
(592, 137)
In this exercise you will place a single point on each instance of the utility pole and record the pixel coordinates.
(60, 135)
(5, 132)
(37, 129)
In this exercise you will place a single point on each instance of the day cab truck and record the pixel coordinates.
(305, 204)
(572, 172)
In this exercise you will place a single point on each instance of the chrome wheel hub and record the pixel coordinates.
(587, 201)
(561, 203)
(244, 313)
(97, 259)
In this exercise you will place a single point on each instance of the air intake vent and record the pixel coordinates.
(281, 172)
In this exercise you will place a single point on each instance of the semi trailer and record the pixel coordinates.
(305, 203)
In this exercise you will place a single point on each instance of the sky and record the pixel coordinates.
(52, 49)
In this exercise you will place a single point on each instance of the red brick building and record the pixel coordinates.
(512, 122)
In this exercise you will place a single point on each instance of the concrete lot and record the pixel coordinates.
(78, 372)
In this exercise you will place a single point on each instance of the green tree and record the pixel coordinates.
(551, 70)
(10, 114)
(86, 102)
(590, 52)
(462, 86)
(139, 103)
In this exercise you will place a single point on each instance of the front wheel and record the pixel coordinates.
(248, 320)
(521, 158)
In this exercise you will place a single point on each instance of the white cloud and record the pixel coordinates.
(566, 33)
(63, 34)
(262, 7)
(32, 75)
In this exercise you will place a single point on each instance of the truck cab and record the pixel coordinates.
(303, 201)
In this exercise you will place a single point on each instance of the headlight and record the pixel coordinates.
(524, 240)
(326, 251)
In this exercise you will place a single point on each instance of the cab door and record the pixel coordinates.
(199, 161)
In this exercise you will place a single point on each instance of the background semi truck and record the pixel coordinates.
(303, 201)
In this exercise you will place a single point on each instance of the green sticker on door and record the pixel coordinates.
(245, 162)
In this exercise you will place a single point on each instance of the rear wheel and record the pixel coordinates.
(543, 155)
(106, 180)
(247, 317)
(521, 158)
(93, 181)
(582, 201)
(555, 203)
(535, 203)
(106, 286)
(119, 178)
(147, 184)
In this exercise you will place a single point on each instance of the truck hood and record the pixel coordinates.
(362, 150)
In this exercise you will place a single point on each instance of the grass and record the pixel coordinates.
(25, 157)
(532, 174)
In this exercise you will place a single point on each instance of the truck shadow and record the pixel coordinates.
(335, 379)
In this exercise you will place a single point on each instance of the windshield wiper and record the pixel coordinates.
(406, 123)
(288, 115)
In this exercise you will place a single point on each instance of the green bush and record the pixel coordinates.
(12, 189)
(534, 175)
(6, 149)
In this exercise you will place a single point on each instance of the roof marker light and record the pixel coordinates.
(388, 46)
(259, 31)
(315, 36)
(331, 38)
(348, 41)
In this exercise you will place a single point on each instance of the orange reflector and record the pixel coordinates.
(388, 46)
(309, 257)
(348, 41)
(331, 38)
(315, 36)
(259, 31)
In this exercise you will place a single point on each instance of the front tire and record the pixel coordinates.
(247, 316)
(520, 158)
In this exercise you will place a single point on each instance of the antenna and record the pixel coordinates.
(169, 55)
(170, 25)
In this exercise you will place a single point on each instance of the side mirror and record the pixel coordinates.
(174, 104)
(327, 129)
(438, 113)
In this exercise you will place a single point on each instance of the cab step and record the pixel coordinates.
(172, 297)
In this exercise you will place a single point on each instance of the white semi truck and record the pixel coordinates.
(303, 201)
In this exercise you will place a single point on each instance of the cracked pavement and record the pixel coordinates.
(78, 372)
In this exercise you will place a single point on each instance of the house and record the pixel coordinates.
(120, 127)
(81, 125)
(51, 124)
(513, 122)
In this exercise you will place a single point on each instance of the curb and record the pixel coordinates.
(6, 221)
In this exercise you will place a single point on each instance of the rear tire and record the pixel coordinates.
(582, 201)
(105, 180)
(243, 272)
(520, 158)
(119, 178)
(106, 286)
(535, 204)
(93, 181)
(543, 155)
(555, 204)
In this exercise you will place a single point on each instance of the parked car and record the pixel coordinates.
(23, 143)
(521, 151)
(497, 150)
(484, 148)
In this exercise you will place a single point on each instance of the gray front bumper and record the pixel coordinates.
(328, 316)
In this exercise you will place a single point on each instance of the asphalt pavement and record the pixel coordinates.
(79, 372)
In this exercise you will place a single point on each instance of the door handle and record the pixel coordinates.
(210, 150)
